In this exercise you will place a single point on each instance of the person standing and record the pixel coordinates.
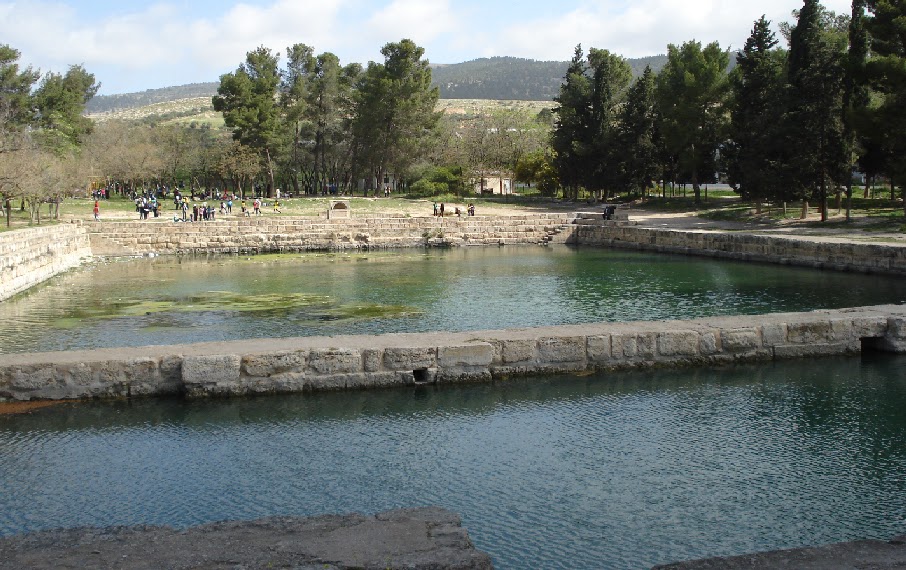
(97, 211)
(441, 209)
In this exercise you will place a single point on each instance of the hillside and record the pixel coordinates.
(496, 78)
(513, 78)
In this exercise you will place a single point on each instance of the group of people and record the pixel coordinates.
(439, 210)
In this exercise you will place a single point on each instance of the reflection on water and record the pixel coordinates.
(610, 471)
(191, 299)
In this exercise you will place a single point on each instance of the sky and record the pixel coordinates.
(134, 45)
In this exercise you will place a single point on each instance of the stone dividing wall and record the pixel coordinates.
(275, 234)
(262, 366)
(824, 253)
(33, 255)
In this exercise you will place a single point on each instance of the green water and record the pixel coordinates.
(192, 299)
(607, 471)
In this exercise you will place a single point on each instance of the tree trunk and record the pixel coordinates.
(823, 198)
(849, 200)
(804, 214)
(270, 172)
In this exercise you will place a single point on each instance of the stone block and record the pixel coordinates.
(810, 332)
(869, 327)
(561, 349)
(463, 375)
(474, 354)
(896, 328)
(371, 360)
(774, 334)
(646, 345)
(678, 343)
(597, 347)
(334, 361)
(513, 351)
(624, 346)
(264, 365)
(841, 329)
(327, 382)
(211, 370)
(413, 358)
(816, 349)
(708, 343)
(739, 340)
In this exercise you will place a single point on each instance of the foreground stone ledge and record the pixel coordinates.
(309, 364)
(426, 538)
(865, 554)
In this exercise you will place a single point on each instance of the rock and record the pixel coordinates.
(425, 538)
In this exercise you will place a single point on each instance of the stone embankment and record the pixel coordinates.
(418, 539)
(863, 554)
(818, 252)
(33, 255)
(285, 365)
(277, 234)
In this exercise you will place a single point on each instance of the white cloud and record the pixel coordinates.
(422, 21)
(167, 43)
(640, 28)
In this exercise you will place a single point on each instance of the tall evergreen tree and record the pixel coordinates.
(637, 137)
(571, 138)
(394, 110)
(610, 74)
(248, 100)
(856, 97)
(886, 72)
(691, 90)
(816, 149)
(60, 103)
(15, 89)
(756, 116)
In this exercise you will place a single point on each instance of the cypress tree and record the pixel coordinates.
(756, 116)
(815, 148)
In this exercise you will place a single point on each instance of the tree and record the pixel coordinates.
(756, 116)
(817, 154)
(691, 90)
(60, 103)
(248, 100)
(886, 74)
(856, 97)
(637, 136)
(584, 135)
(15, 90)
(394, 111)
(610, 75)
(570, 139)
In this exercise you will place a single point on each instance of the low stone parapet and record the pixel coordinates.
(286, 365)
(423, 538)
(279, 234)
(33, 255)
(824, 252)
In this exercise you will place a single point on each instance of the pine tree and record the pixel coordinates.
(570, 138)
(690, 91)
(886, 73)
(816, 153)
(756, 115)
(637, 135)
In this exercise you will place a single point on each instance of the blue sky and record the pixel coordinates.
(133, 45)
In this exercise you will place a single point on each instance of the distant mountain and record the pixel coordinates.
(110, 103)
(513, 78)
(496, 78)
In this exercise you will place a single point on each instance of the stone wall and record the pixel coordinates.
(33, 255)
(824, 252)
(275, 234)
(261, 366)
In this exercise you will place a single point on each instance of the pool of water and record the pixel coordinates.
(607, 471)
(191, 299)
